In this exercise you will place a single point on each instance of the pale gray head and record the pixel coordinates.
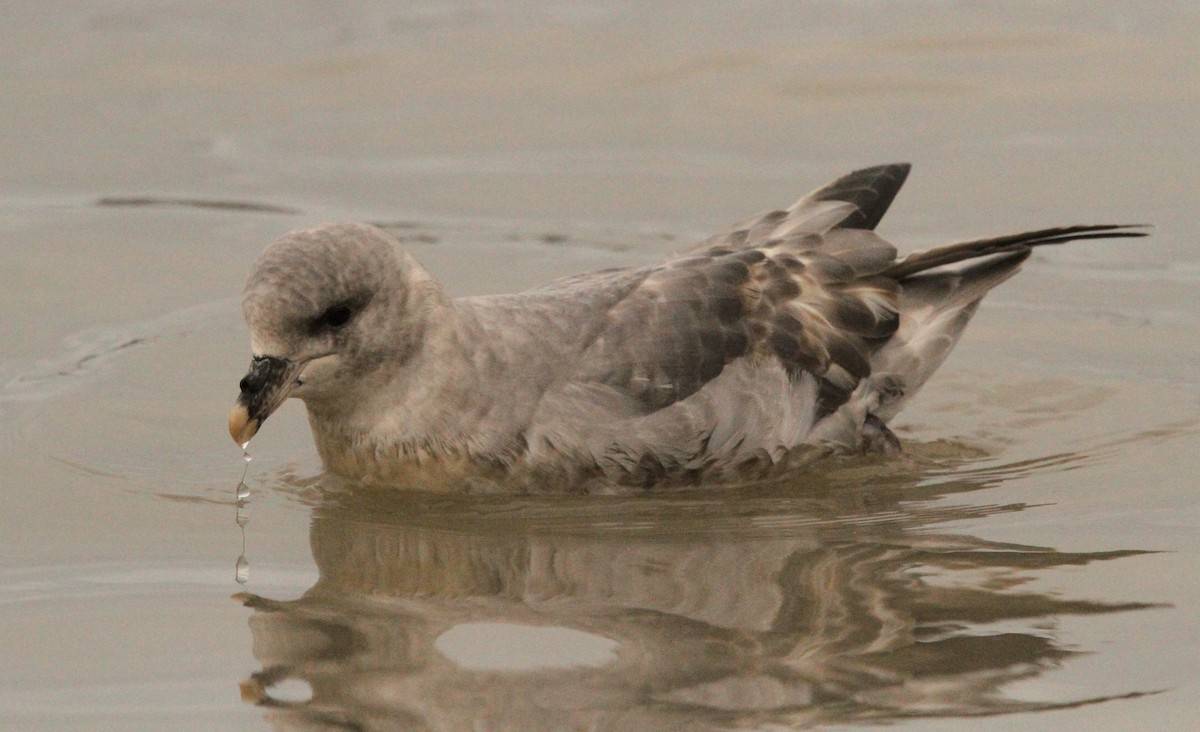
(327, 307)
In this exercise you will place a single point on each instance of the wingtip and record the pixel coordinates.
(1133, 229)
(1099, 231)
(896, 170)
(871, 190)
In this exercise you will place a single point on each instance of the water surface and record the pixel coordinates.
(1030, 561)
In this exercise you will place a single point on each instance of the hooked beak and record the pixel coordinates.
(269, 381)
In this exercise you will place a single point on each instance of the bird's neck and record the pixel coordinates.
(437, 406)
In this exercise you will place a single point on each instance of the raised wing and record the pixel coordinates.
(812, 287)
(796, 301)
(798, 285)
(854, 201)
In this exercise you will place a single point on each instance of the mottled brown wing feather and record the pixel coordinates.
(674, 332)
(791, 301)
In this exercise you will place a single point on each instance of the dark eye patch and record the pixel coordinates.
(335, 316)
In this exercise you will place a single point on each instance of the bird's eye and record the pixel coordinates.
(336, 316)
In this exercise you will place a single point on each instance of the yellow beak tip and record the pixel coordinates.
(241, 427)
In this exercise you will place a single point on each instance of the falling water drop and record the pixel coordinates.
(243, 490)
(241, 569)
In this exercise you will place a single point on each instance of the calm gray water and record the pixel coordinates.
(1030, 562)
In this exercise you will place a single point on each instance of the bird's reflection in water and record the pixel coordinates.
(833, 601)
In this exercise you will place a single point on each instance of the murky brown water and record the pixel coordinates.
(1033, 559)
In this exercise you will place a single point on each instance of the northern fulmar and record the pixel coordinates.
(797, 330)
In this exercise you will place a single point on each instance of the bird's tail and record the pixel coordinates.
(922, 261)
(938, 299)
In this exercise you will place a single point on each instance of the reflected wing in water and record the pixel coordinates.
(846, 604)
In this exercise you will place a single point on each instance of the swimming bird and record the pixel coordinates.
(797, 330)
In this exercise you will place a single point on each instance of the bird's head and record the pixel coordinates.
(328, 308)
